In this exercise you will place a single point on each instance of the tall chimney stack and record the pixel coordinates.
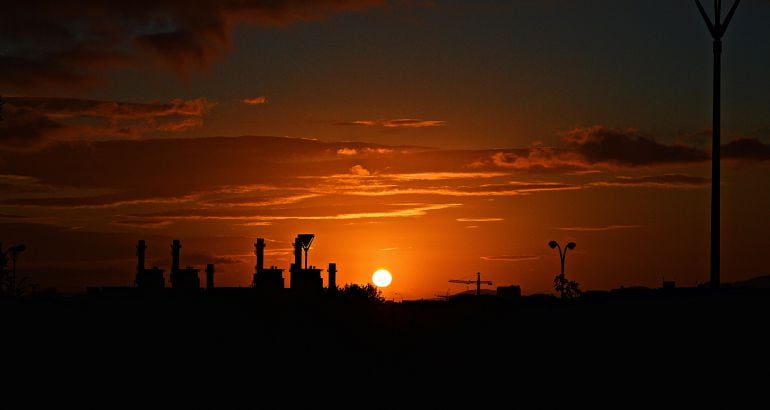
(140, 248)
(176, 247)
(332, 277)
(260, 250)
(209, 276)
(298, 253)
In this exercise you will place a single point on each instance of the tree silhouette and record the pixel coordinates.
(568, 289)
(356, 292)
(1, 107)
(10, 284)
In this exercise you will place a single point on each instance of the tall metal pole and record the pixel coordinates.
(715, 166)
(717, 30)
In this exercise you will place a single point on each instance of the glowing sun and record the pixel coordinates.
(382, 278)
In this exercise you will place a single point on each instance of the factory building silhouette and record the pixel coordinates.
(304, 278)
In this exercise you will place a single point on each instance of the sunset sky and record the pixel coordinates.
(436, 139)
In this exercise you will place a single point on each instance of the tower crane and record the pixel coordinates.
(478, 282)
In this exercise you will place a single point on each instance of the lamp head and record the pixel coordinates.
(553, 244)
(571, 245)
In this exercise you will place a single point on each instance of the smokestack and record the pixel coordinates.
(332, 277)
(260, 250)
(298, 253)
(140, 248)
(176, 247)
(209, 276)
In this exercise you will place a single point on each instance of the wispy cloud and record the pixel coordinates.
(597, 228)
(395, 123)
(511, 258)
(400, 211)
(142, 223)
(479, 219)
(255, 101)
(656, 181)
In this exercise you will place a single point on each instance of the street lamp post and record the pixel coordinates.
(562, 256)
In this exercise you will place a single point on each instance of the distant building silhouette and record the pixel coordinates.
(509, 292)
(266, 279)
(309, 277)
(182, 278)
(151, 278)
(209, 276)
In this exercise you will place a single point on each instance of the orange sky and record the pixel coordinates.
(434, 139)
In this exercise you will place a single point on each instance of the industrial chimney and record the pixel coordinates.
(176, 247)
(297, 254)
(332, 277)
(140, 248)
(209, 276)
(260, 251)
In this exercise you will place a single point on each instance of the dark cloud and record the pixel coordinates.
(599, 144)
(23, 128)
(53, 43)
(33, 122)
(751, 149)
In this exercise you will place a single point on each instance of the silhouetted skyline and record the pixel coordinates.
(432, 140)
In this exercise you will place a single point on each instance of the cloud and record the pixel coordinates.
(347, 151)
(45, 43)
(750, 149)
(73, 107)
(479, 219)
(255, 101)
(542, 158)
(395, 123)
(395, 211)
(590, 147)
(511, 258)
(656, 181)
(142, 223)
(602, 145)
(359, 170)
(34, 122)
(24, 128)
(597, 228)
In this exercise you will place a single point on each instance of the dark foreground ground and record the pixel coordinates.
(695, 344)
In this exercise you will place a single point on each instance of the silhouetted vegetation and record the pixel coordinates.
(10, 284)
(368, 293)
(568, 289)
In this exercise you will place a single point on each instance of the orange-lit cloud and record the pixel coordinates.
(479, 219)
(255, 101)
(511, 258)
(359, 170)
(656, 181)
(390, 211)
(396, 123)
(597, 228)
